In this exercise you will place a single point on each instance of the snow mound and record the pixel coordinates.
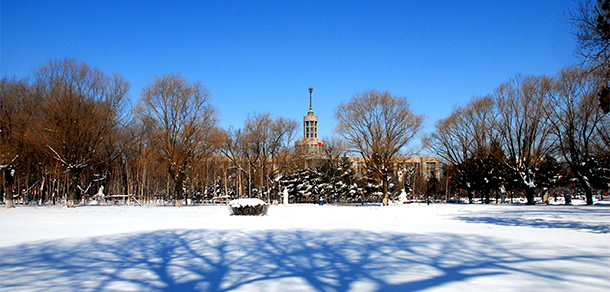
(252, 207)
(246, 202)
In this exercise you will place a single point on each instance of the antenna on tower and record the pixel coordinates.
(310, 91)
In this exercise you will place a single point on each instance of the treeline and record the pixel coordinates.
(62, 132)
(538, 132)
(531, 133)
(68, 136)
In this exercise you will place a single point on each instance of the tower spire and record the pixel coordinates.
(310, 91)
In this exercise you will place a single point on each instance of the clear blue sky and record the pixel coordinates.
(261, 56)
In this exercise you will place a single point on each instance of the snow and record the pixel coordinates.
(246, 202)
(415, 247)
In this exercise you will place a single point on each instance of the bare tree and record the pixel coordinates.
(283, 134)
(604, 135)
(464, 138)
(378, 126)
(333, 168)
(182, 125)
(81, 109)
(16, 112)
(522, 128)
(233, 148)
(592, 23)
(334, 150)
(257, 132)
(576, 121)
(261, 147)
(467, 129)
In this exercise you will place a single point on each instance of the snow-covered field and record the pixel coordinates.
(440, 247)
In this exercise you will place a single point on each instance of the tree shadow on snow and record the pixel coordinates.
(211, 260)
(556, 217)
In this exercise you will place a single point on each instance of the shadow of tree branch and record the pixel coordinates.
(211, 260)
(541, 218)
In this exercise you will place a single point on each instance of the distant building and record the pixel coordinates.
(426, 167)
(311, 146)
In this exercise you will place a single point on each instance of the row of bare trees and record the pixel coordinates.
(64, 124)
(67, 136)
(538, 131)
(260, 152)
(521, 135)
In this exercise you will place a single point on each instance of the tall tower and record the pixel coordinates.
(310, 123)
(311, 146)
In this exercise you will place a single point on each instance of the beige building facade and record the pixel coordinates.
(425, 167)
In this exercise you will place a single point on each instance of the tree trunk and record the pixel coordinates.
(386, 198)
(125, 180)
(73, 193)
(263, 187)
(584, 183)
(43, 191)
(529, 193)
(487, 197)
(589, 195)
(470, 196)
(225, 183)
(249, 183)
(240, 188)
(178, 191)
(9, 179)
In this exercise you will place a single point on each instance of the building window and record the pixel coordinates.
(431, 165)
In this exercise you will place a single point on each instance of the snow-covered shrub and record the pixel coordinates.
(251, 207)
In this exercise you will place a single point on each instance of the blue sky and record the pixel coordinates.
(261, 56)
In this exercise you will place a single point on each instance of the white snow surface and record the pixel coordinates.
(415, 247)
